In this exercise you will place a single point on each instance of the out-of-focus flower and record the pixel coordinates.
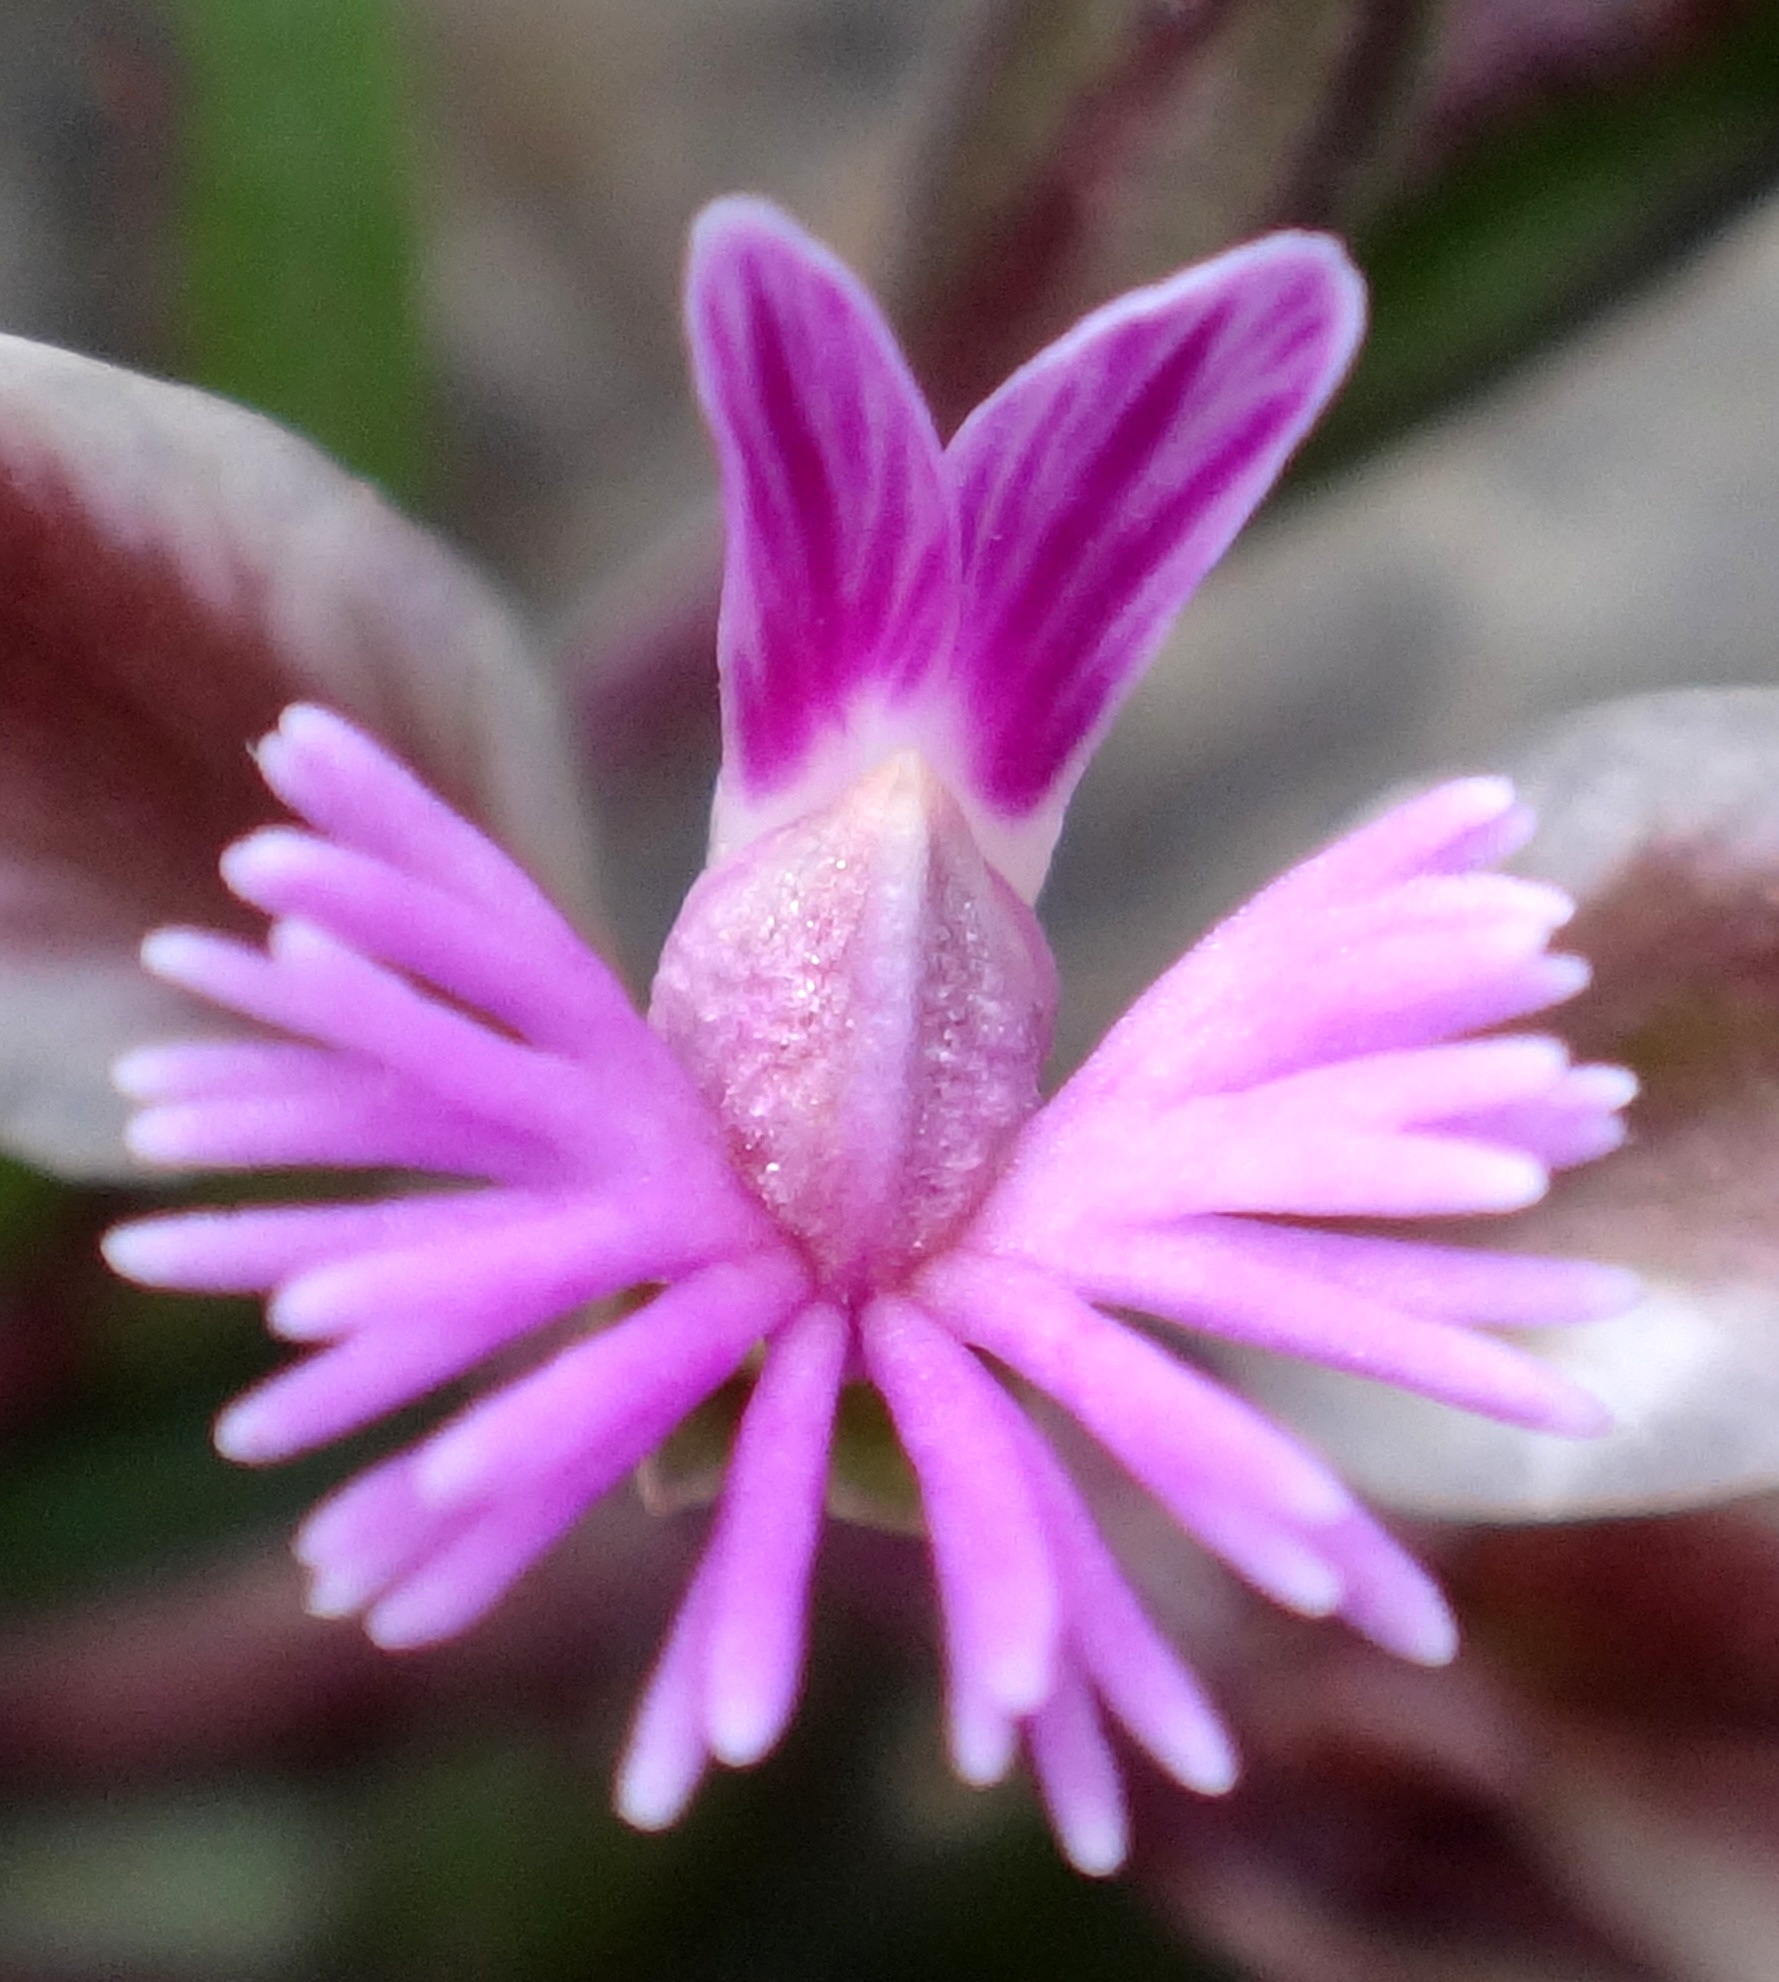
(823, 1160)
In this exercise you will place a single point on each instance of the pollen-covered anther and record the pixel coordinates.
(867, 1006)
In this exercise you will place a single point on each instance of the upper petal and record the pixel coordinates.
(840, 572)
(1100, 484)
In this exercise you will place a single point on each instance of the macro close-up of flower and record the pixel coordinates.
(824, 1158)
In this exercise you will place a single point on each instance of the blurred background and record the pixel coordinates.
(443, 237)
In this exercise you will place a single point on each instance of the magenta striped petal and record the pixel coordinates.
(1100, 484)
(841, 570)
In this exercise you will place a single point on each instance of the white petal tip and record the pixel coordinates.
(169, 953)
(261, 858)
(982, 1755)
(395, 1632)
(1210, 1774)
(1562, 977)
(1606, 1086)
(1309, 1587)
(141, 1075)
(1476, 801)
(132, 1253)
(161, 1136)
(309, 722)
(1415, 1624)
(743, 1732)
(1096, 1849)
(242, 1436)
(332, 1595)
(1578, 1413)
(1550, 908)
(651, 1799)
(1505, 1180)
(1436, 1647)
(1429, 1637)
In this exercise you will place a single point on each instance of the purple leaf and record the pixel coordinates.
(173, 571)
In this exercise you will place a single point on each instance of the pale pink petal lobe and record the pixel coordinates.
(765, 1538)
(667, 1754)
(1135, 1671)
(1078, 1777)
(996, 1589)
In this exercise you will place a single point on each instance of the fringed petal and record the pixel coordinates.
(996, 1591)
(1183, 1435)
(765, 1538)
(532, 973)
(410, 1318)
(350, 789)
(1435, 1282)
(309, 984)
(1132, 1666)
(625, 1387)
(252, 1251)
(359, 1119)
(1218, 1279)
(666, 1756)
(1078, 1777)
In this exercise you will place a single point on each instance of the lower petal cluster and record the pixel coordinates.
(1310, 1065)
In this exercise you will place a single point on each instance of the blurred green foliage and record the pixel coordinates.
(297, 224)
(1545, 219)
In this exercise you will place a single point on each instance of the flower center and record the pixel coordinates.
(867, 1006)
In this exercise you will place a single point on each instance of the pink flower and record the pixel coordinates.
(824, 1158)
